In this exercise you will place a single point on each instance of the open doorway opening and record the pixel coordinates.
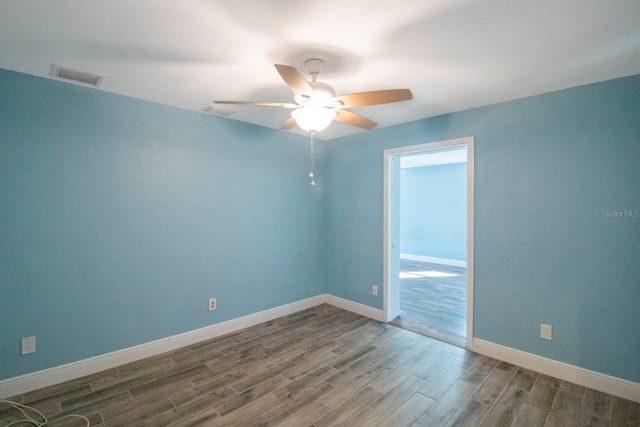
(429, 239)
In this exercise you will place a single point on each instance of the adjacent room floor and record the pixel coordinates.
(325, 367)
(433, 301)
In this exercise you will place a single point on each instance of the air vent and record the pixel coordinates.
(62, 72)
(218, 111)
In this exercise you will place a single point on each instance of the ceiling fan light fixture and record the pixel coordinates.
(313, 118)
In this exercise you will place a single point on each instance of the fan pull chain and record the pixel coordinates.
(312, 157)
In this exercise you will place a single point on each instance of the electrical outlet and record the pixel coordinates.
(28, 345)
(374, 290)
(546, 332)
(212, 304)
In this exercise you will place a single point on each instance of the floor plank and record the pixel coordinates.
(565, 410)
(597, 404)
(530, 416)
(409, 412)
(543, 392)
(625, 412)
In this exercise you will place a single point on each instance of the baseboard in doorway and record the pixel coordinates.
(433, 260)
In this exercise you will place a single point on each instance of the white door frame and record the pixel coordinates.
(389, 242)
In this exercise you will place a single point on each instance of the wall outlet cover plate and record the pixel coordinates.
(28, 345)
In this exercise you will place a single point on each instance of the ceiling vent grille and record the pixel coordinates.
(218, 111)
(62, 72)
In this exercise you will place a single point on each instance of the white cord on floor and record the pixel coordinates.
(35, 422)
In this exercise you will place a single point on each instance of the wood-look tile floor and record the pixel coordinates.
(433, 306)
(325, 367)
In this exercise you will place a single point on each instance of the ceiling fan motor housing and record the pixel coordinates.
(323, 91)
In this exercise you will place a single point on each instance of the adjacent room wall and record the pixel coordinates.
(557, 238)
(120, 218)
(433, 211)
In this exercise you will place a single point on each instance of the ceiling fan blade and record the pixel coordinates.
(288, 124)
(260, 104)
(376, 97)
(296, 81)
(353, 119)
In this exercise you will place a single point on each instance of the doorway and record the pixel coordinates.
(428, 252)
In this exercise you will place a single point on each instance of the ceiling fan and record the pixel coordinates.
(317, 104)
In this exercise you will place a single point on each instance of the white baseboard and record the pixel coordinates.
(445, 261)
(608, 384)
(35, 380)
(354, 307)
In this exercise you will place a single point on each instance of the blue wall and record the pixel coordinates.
(433, 211)
(120, 218)
(546, 167)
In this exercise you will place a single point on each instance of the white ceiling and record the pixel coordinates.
(453, 54)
